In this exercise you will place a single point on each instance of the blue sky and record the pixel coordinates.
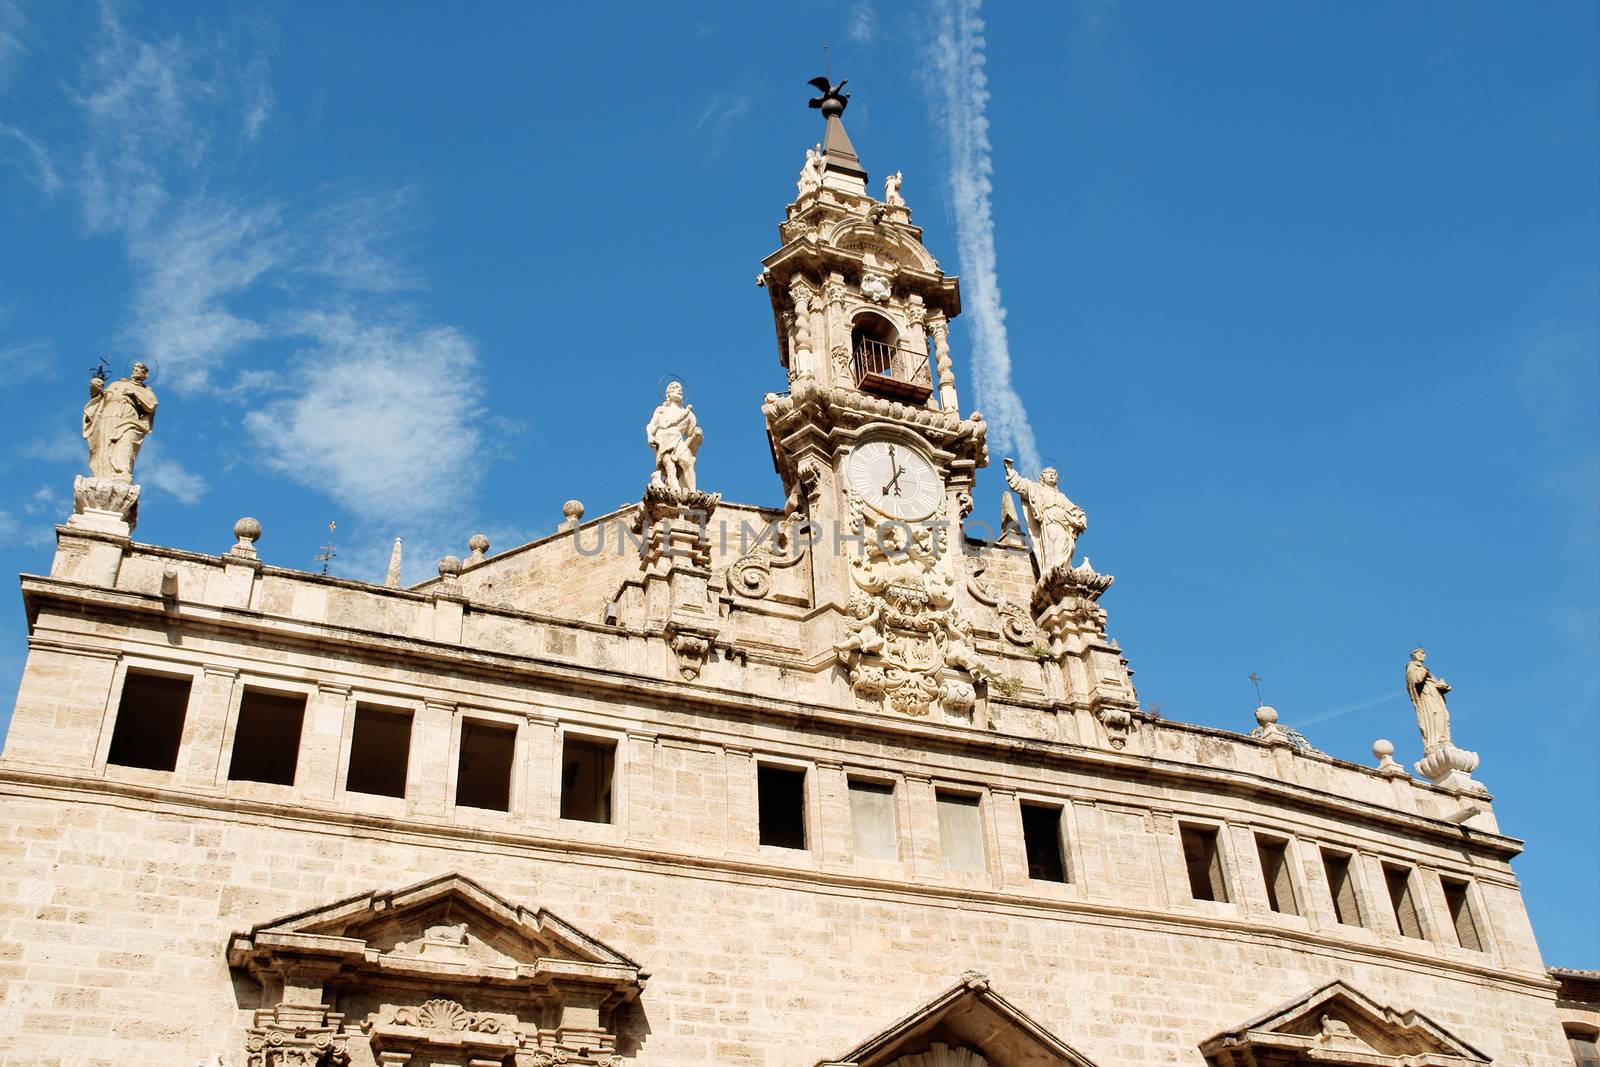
(1302, 298)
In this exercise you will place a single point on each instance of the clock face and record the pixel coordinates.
(894, 478)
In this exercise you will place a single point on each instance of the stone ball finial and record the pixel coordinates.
(450, 567)
(1383, 749)
(248, 531)
(573, 510)
(1266, 716)
(479, 543)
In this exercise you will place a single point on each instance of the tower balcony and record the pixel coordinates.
(891, 371)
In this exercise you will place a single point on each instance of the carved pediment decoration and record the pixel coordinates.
(968, 1025)
(1338, 1027)
(441, 973)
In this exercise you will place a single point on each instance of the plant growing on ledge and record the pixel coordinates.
(1039, 652)
(1008, 687)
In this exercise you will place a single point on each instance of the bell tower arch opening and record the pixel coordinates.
(880, 364)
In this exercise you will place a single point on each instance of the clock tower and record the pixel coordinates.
(876, 456)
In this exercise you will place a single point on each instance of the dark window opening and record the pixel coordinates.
(1041, 838)
(149, 724)
(483, 770)
(1342, 885)
(380, 748)
(1203, 856)
(587, 768)
(1455, 899)
(1584, 1045)
(872, 820)
(781, 799)
(1275, 872)
(1398, 881)
(266, 740)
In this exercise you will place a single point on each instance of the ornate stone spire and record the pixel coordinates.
(838, 154)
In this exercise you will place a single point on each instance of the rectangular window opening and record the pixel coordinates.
(960, 831)
(872, 820)
(1342, 885)
(1202, 854)
(1274, 855)
(149, 724)
(588, 770)
(1041, 839)
(781, 804)
(483, 770)
(266, 739)
(1461, 917)
(380, 748)
(1398, 881)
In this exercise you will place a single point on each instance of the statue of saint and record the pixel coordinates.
(674, 433)
(891, 190)
(811, 174)
(1427, 696)
(1054, 522)
(115, 420)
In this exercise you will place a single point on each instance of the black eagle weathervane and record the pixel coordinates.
(833, 98)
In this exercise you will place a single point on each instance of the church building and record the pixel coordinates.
(839, 783)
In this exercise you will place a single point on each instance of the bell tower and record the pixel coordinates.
(869, 439)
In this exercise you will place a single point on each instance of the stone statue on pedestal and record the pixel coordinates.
(1054, 522)
(115, 422)
(1442, 762)
(811, 174)
(674, 433)
(891, 190)
(1427, 696)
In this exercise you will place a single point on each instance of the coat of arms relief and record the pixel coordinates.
(906, 643)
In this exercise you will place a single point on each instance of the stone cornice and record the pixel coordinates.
(455, 660)
(20, 782)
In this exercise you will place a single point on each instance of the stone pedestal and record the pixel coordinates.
(1066, 611)
(675, 554)
(1449, 767)
(104, 505)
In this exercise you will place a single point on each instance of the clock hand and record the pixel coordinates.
(894, 483)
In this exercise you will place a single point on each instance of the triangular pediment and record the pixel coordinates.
(443, 928)
(1336, 1025)
(967, 1024)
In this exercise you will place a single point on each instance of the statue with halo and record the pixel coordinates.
(116, 420)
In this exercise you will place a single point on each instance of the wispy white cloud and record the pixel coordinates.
(13, 49)
(160, 471)
(1388, 696)
(23, 361)
(384, 415)
(722, 111)
(200, 256)
(32, 524)
(62, 446)
(381, 410)
(25, 154)
(961, 99)
(863, 26)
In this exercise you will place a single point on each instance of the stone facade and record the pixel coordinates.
(701, 783)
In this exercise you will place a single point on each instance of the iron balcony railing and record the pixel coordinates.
(889, 370)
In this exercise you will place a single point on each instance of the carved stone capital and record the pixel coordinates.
(104, 504)
(1451, 768)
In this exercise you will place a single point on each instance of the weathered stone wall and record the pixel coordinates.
(121, 885)
(117, 909)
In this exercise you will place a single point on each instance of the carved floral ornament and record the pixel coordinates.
(492, 983)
